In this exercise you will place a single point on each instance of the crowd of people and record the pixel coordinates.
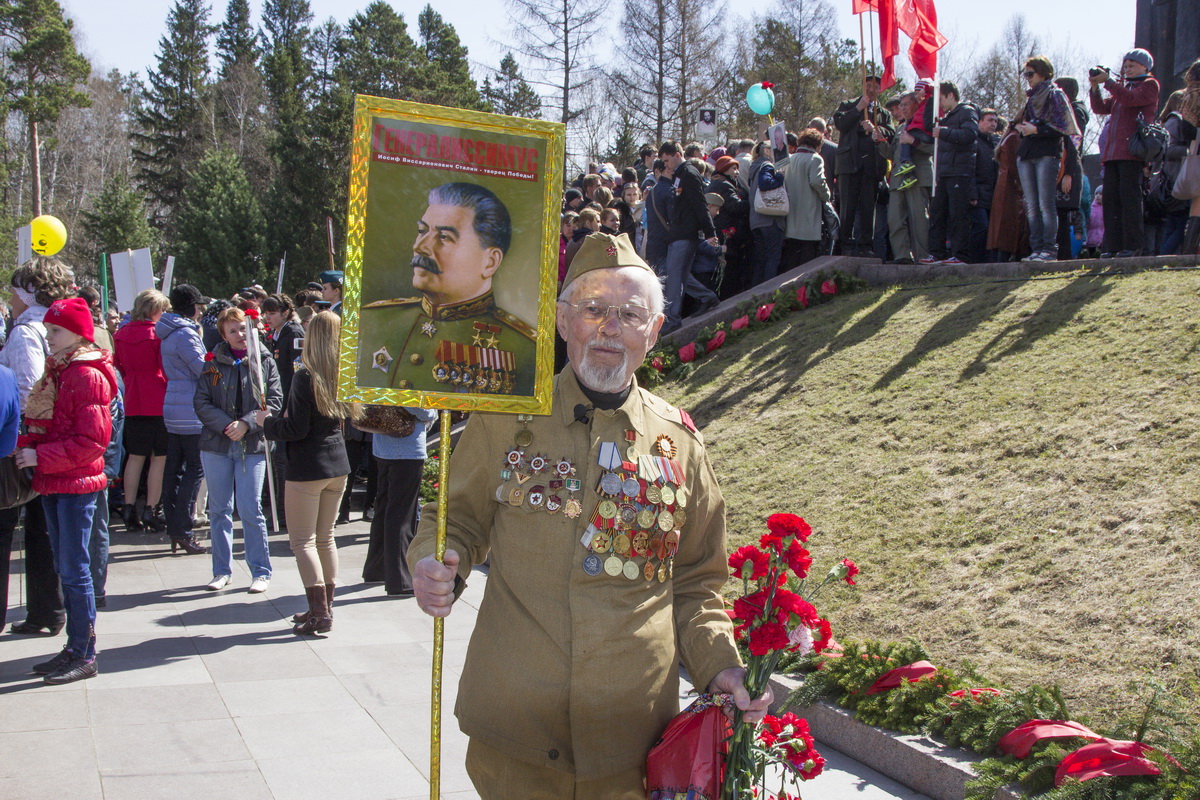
(174, 409)
(926, 177)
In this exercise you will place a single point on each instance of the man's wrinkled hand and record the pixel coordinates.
(732, 681)
(433, 584)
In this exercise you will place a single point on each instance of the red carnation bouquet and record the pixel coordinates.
(775, 619)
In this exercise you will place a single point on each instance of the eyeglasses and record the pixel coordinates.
(1029, 73)
(628, 314)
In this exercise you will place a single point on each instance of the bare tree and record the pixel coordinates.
(555, 36)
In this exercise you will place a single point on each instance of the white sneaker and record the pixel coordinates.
(259, 585)
(219, 582)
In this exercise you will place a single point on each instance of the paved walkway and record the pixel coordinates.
(204, 694)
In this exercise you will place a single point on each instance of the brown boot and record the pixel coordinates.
(318, 620)
(303, 615)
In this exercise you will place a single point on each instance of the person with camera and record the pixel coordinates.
(1130, 99)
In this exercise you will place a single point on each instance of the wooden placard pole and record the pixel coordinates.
(435, 720)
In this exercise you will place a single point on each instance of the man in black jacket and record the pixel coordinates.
(689, 219)
(949, 213)
(860, 167)
(986, 172)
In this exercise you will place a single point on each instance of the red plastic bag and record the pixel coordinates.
(1106, 757)
(689, 759)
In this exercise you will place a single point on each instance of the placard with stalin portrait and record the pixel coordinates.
(449, 299)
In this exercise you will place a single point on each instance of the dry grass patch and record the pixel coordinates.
(1012, 464)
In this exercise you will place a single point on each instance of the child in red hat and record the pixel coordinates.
(69, 427)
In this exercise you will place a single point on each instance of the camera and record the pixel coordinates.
(1098, 70)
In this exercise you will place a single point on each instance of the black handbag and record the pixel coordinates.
(1160, 203)
(1149, 141)
(16, 484)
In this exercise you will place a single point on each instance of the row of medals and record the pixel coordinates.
(639, 512)
(498, 381)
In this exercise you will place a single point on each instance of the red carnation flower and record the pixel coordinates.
(851, 570)
(798, 559)
(829, 287)
(802, 296)
(768, 85)
(208, 356)
(687, 353)
(252, 312)
(818, 764)
(715, 342)
(797, 606)
(764, 311)
(749, 608)
(786, 525)
(768, 638)
(823, 635)
(749, 563)
(657, 363)
(741, 322)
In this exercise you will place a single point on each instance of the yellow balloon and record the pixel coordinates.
(48, 233)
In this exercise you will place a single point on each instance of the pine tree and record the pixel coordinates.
(445, 76)
(378, 57)
(237, 41)
(44, 74)
(221, 227)
(119, 220)
(511, 94)
(169, 138)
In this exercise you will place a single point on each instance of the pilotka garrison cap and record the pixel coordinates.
(604, 251)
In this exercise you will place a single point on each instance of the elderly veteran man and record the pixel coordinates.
(606, 532)
(452, 337)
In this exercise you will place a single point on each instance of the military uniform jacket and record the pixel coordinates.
(565, 669)
(474, 346)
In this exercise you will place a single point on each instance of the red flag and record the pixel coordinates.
(859, 6)
(918, 20)
(889, 41)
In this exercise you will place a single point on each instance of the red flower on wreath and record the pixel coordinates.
(715, 342)
(741, 322)
(208, 356)
(764, 311)
(687, 353)
(749, 563)
(657, 363)
(767, 638)
(829, 287)
(802, 296)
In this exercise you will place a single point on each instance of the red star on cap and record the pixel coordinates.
(612, 250)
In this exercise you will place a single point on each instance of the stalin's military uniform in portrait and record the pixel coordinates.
(605, 530)
(452, 337)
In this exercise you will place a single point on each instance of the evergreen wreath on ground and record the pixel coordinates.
(671, 362)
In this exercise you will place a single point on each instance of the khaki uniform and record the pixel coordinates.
(566, 669)
(474, 346)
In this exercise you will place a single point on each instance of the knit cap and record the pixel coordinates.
(1142, 57)
(74, 315)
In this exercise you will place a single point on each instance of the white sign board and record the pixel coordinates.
(24, 244)
(169, 275)
(132, 273)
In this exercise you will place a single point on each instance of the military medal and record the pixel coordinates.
(631, 570)
(524, 437)
(515, 494)
(613, 566)
(666, 520)
(602, 541)
(645, 518)
(553, 503)
(631, 488)
(631, 452)
(592, 564)
(667, 493)
(665, 446)
(680, 517)
(381, 359)
(607, 509)
(428, 328)
(648, 571)
(653, 494)
(537, 463)
(572, 508)
(641, 543)
(662, 572)
(536, 495)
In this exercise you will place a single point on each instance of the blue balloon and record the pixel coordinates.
(760, 100)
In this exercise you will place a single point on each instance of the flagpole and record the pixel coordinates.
(937, 116)
(253, 353)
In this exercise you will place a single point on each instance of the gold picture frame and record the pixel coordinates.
(451, 259)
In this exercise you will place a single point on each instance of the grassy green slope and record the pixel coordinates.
(1013, 465)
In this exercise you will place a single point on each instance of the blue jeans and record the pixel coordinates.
(69, 523)
(1038, 179)
(98, 545)
(678, 271)
(237, 474)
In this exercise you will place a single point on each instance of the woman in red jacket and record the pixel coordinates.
(138, 356)
(1134, 97)
(69, 429)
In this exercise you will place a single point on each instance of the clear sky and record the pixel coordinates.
(125, 33)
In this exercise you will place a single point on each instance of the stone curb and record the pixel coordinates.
(876, 273)
(918, 762)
